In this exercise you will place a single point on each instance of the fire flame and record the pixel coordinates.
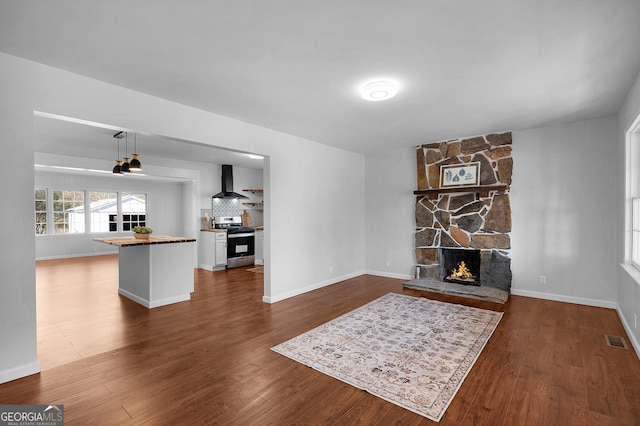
(461, 271)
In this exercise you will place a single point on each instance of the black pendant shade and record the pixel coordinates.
(135, 164)
(117, 169)
(125, 166)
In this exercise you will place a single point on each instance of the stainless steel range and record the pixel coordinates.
(240, 241)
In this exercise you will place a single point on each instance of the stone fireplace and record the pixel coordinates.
(474, 220)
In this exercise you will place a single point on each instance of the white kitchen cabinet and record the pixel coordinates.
(212, 250)
(221, 248)
(259, 247)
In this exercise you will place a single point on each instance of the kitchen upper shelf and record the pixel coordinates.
(255, 191)
(483, 190)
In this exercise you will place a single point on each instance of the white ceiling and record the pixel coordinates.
(59, 136)
(465, 67)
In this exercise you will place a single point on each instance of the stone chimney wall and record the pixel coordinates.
(468, 218)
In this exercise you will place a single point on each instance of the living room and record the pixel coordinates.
(568, 196)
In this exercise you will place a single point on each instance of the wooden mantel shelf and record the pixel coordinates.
(483, 190)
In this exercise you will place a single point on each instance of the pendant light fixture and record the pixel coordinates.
(135, 165)
(125, 163)
(117, 169)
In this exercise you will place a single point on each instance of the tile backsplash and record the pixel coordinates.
(222, 207)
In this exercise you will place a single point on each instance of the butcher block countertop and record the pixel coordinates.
(213, 230)
(131, 241)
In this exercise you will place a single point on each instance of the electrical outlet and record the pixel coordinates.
(635, 321)
(331, 269)
(388, 263)
(543, 279)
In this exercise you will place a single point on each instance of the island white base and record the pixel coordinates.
(157, 274)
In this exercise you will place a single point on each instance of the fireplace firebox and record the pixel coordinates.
(461, 266)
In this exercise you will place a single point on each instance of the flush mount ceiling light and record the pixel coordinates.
(380, 90)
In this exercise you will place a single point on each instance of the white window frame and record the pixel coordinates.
(632, 196)
(635, 232)
(91, 215)
(132, 223)
(50, 223)
(53, 210)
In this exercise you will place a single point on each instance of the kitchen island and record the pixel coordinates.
(156, 271)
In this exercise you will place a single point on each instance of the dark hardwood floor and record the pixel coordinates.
(208, 361)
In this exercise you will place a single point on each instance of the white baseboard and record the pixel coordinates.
(589, 302)
(73, 256)
(297, 292)
(19, 372)
(212, 268)
(156, 303)
(628, 329)
(206, 267)
(569, 299)
(390, 275)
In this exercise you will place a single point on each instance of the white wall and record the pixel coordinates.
(563, 212)
(628, 287)
(390, 219)
(313, 207)
(319, 227)
(17, 263)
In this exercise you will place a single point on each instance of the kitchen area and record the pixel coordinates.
(188, 187)
(232, 230)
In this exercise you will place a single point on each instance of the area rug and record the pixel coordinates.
(411, 351)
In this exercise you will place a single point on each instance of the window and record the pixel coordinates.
(104, 211)
(635, 232)
(65, 212)
(41, 211)
(68, 212)
(134, 210)
(632, 219)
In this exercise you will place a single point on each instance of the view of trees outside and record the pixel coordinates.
(41, 211)
(65, 204)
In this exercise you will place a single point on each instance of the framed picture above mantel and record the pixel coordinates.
(457, 175)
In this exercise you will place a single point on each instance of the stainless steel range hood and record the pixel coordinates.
(227, 184)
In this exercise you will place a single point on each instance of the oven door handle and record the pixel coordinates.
(247, 234)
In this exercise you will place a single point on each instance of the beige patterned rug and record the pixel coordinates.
(411, 351)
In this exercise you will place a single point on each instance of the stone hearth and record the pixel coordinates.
(466, 218)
